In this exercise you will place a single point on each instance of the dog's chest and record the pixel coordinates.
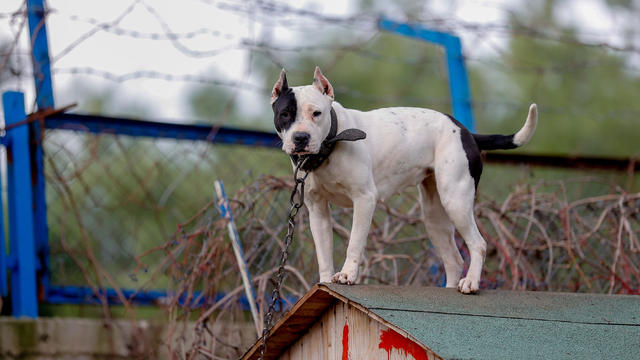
(332, 191)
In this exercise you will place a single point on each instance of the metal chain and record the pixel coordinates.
(296, 204)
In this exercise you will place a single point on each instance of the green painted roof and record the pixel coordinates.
(498, 324)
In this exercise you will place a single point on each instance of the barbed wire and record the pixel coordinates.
(275, 52)
(94, 31)
(150, 74)
(274, 9)
(569, 111)
(19, 16)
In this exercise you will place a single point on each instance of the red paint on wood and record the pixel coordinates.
(390, 339)
(345, 342)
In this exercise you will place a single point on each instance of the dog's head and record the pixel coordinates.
(302, 114)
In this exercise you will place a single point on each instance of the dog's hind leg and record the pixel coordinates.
(440, 230)
(457, 195)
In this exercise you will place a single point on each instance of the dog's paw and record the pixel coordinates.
(468, 286)
(344, 278)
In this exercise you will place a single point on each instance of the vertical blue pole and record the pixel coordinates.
(458, 81)
(44, 99)
(21, 231)
(40, 53)
(225, 211)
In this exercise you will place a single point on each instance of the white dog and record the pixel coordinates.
(403, 147)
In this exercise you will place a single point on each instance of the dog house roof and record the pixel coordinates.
(492, 324)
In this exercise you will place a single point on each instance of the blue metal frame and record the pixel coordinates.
(83, 295)
(14, 112)
(36, 15)
(21, 215)
(105, 125)
(40, 52)
(138, 128)
(458, 80)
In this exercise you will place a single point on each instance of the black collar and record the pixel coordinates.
(313, 161)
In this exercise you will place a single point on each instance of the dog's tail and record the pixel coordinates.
(495, 142)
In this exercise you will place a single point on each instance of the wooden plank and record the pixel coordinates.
(294, 324)
(346, 324)
(371, 339)
(335, 345)
(339, 326)
(325, 325)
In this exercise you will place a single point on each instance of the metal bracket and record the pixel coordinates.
(458, 80)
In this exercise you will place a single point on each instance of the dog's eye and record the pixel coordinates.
(285, 115)
(316, 113)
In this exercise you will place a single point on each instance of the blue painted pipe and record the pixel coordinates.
(458, 80)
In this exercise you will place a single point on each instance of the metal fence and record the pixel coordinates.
(123, 194)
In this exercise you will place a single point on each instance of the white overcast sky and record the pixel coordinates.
(167, 99)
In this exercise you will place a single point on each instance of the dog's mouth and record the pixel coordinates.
(300, 152)
(305, 150)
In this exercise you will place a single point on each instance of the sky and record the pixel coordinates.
(214, 50)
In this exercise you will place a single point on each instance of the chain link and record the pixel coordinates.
(296, 203)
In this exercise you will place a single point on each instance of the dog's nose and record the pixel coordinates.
(301, 139)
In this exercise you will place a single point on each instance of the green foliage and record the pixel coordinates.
(587, 96)
(213, 105)
(209, 103)
(103, 101)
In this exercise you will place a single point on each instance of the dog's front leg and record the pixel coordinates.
(363, 208)
(322, 231)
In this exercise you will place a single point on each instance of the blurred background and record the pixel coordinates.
(132, 227)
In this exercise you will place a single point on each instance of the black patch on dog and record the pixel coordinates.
(471, 149)
(494, 142)
(284, 108)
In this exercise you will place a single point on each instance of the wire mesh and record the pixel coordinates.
(118, 195)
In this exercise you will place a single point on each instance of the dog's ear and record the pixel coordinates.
(279, 87)
(322, 83)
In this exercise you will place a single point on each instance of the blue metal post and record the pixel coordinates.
(44, 99)
(458, 80)
(40, 53)
(225, 212)
(459, 83)
(21, 230)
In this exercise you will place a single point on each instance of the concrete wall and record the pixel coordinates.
(73, 338)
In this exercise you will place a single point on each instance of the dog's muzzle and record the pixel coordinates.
(313, 161)
(300, 140)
